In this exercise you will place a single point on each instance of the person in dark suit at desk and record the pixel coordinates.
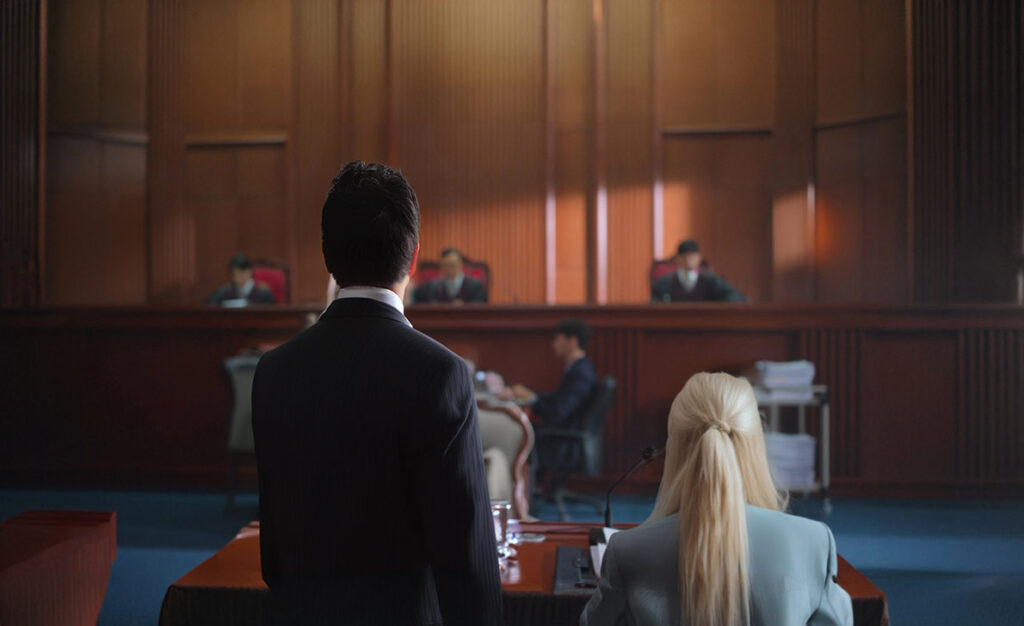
(564, 407)
(243, 289)
(689, 283)
(373, 497)
(454, 286)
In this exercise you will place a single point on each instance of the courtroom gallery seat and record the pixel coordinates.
(588, 456)
(240, 370)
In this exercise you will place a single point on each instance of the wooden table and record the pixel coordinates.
(228, 589)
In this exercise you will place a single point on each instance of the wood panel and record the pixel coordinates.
(990, 435)
(861, 230)
(171, 230)
(471, 137)
(925, 400)
(905, 375)
(222, 106)
(22, 151)
(629, 128)
(572, 87)
(96, 187)
(718, 191)
(968, 108)
(319, 115)
(793, 260)
(836, 356)
(860, 49)
(717, 63)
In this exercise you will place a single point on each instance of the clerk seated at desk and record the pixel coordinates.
(243, 289)
(691, 283)
(454, 286)
(565, 406)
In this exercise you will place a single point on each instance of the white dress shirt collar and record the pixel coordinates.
(385, 296)
(454, 287)
(246, 289)
(687, 278)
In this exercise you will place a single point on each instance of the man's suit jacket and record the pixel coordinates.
(792, 565)
(564, 408)
(709, 287)
(435, 291)
(260, 294)
(373, 497)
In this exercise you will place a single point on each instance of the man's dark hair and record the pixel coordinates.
(574, 328)
(688, 245)
(454, 251)
(370, 225)
(240, 261)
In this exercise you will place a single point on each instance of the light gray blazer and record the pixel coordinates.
(792, 563)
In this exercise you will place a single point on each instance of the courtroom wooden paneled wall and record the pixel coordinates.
(566, 143)
(968, 112)
(22, 66)
(96, 153)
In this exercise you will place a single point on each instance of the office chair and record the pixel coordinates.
(585, 452)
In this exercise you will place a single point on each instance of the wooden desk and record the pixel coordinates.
(227, 588)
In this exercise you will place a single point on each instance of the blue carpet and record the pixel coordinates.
(940, 562)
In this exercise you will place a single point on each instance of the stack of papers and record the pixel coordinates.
(788, 381)
(791, 460)
(597, 551)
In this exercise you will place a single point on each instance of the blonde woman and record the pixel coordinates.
(718, 550)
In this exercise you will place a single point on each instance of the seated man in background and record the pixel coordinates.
(689, 283)
(243, 290)
(454, 286)
(373, 497)
(564, 407)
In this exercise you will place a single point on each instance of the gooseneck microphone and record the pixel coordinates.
(648, 455)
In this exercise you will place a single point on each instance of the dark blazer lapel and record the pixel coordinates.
(362, 307)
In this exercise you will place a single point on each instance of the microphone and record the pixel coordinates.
(648, 455)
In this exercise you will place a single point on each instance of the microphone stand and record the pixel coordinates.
(649, 454)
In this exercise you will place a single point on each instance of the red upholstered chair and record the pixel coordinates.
(666, 266)
(430, 270)
(275, 276)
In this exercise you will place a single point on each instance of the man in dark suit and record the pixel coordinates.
(243, 290)
(690, 283)
(454, 286)
(373, 497)
(565, 406)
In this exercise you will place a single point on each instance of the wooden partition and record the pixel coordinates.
(925, 401)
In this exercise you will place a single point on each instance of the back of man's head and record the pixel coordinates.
(575, 328)
(370, 226)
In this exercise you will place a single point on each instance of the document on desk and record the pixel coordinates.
(597, 551)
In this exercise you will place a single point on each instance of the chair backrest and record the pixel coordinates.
(276, 276)
(429, 270)
(240, 371)
(506, 427)
(594, 420)
(660, 267)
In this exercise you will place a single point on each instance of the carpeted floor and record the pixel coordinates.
(940, 562)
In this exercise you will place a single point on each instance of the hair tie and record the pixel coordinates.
(719, 425)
